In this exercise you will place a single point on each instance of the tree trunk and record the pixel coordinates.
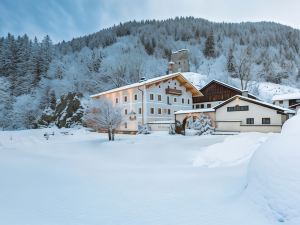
(109, 134)
(113, 135)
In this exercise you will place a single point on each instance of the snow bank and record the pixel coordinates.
(233, 151)
(274, 174)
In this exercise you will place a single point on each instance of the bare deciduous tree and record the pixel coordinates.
(102, 115)
(243, 67)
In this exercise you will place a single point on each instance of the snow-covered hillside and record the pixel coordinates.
(32, 70)
(264, 90)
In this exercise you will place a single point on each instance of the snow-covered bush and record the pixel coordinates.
(274, 174)
(144, 129)
(199, 126)
(172, 129)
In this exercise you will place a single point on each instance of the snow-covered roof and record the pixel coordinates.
(195, 111)
(286, 96)
(285, 110)
(229, 86)
(150, 81)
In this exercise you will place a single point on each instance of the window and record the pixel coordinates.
(159, 97)
(151, 110)
(188, 101)
(182, 100)
(202, 106)
(175, 99)
(117, 100)
(140, 110)
(125, 98)
(125, 111)
(208, 105)
(266, 120)
(159, 111)
(280, 102)
(168, 100)
(238, 108)
(135, 97)
(169, 111)
(151, 97)
(125, 125)
(250, 121)
(197, 106)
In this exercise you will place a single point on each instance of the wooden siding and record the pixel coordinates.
(215, 92)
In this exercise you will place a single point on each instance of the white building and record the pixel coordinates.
(240, 114)
(243, 114)
(286, 100)
(152, 102)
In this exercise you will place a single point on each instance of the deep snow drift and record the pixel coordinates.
(274, 174)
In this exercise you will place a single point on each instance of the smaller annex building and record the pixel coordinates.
(241, 114)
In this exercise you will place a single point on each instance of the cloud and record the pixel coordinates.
(65, 19)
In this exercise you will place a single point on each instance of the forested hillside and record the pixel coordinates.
(31, 71)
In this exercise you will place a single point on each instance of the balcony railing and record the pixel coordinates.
(172, 91)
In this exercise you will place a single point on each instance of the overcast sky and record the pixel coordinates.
(64, 19)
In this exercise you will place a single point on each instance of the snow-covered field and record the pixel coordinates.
(80, 178)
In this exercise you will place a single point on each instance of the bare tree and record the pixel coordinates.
(117, 75)
(103, 116)
(243, 67)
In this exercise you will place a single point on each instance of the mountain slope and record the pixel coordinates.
(31, 70)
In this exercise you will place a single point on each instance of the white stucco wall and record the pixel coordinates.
(236, 120)
(133, 105)
(284, 104)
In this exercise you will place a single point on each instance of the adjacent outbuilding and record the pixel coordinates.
(243, 114)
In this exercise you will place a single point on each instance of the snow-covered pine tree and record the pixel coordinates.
(231, 63)
(203, 125)
(209, 49)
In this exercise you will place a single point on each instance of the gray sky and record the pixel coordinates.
(65, 19)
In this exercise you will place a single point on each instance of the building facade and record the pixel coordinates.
(241, 114)
(151, 102)
(286, 100)
(216, 92)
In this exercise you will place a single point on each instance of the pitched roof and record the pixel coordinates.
(194, 90)
(228, 86)
(294, 106)
(258, 102)
(286, 96)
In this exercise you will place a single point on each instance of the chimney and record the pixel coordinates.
(171, 67)
(245, 93)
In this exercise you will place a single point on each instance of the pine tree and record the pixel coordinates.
(52, 104)
(209, 50)
(231, 63)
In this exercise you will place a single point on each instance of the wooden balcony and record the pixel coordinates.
(172, 91)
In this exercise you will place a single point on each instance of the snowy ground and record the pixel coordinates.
(138, 180)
